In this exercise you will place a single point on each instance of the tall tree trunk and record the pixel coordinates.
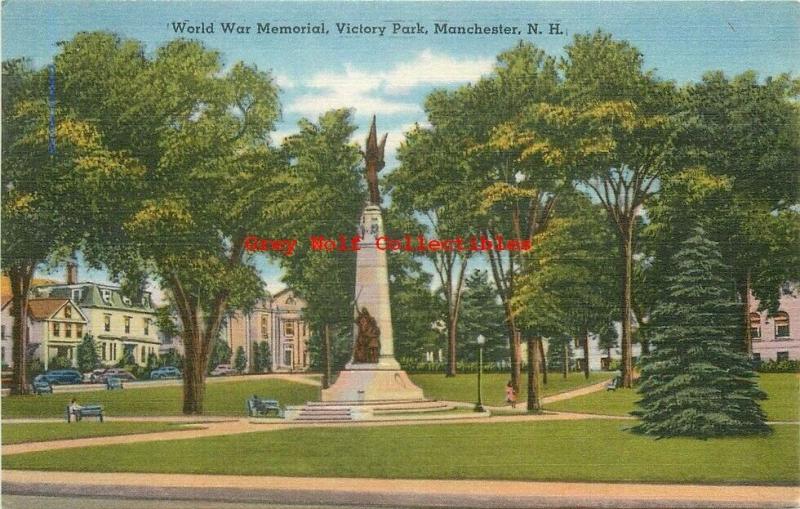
(565, 360)
(744, 291)
(451, 348)
(326, 376)
(20, 278)
(540, 346)
(516, 359)
(534, 400)
(626, 253)
(586, 353)
(194, 370)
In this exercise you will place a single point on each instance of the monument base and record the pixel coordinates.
(359, 384)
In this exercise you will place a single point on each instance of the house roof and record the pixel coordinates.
(5, 288)
(42, 309)
(91, 296)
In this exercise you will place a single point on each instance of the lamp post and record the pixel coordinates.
(481, 341)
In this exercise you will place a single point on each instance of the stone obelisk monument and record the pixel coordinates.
(373, 373)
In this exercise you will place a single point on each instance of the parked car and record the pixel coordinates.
(63, 376)
(223, 370)
(116, 373)
(165, 372)
(94, 376)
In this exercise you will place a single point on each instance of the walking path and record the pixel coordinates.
(394, 492)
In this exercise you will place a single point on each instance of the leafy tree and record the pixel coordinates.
(698, 382)
(415, 308)
(559, 353)
(430, 183)
(570, 281)
(240, 361)
(327, 166)
(475, 132)
(199, 172)
(38, 224)
(87, 356)
(746, 133)
(221, 353)
(616, 131)
(482, 314)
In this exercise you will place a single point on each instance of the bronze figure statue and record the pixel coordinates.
(368, 344)
(373, 157)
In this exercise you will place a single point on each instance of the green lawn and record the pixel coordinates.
(595, 450)
(465, 387)
(224, 398)
(44, 431)
(782, 404)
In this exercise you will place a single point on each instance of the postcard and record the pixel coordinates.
(400, 254)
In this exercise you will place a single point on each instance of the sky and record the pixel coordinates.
(390, 75)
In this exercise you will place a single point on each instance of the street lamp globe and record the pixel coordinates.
(481, 339)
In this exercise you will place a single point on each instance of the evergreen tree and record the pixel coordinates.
(482, 313)
(266, 357)
(697, 382)
(87, 354)
(240, 361)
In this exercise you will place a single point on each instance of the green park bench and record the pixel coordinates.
(86, 411)
(261, 407)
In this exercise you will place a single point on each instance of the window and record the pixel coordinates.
(126, 301)
(105, 357)
(127, 325)
(78, 330)
(106, 295)
(67, 330)
(77, 295)
(146, 301)
(144, 353)
(288, 328)
(56, 329)
(3, 333)
(107, 323)
(113, 351)
(67, 312)
(146, 326)
(783, 356)
(287, 357)
(755, 326)
(264, 327)
(290, 301)
(782, 325)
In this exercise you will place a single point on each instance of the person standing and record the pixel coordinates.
(511, 395)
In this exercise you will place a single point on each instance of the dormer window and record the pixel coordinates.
(146, 301)
(77, 295)
(126, 301)
(106, 295)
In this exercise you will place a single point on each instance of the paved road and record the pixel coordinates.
(393, 492)
(303, 378)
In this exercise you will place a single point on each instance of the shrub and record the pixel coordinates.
(790, 366)
(59, 362)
